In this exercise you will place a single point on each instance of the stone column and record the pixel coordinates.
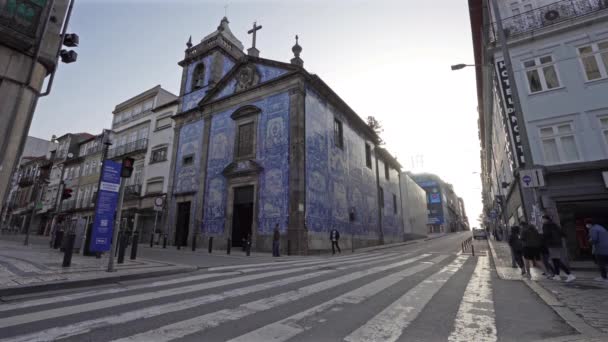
(200, 195)
(297, 233)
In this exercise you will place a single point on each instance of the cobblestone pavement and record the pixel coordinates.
(24, 265)
(587, 298)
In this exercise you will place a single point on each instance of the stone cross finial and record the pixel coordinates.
(253, 31)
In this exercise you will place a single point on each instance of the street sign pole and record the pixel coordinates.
(117, 225)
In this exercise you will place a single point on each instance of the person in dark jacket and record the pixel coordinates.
(598, 236)
(532, 243)
(552, 236)
(276, 239)
(334, 237)
(517, 248)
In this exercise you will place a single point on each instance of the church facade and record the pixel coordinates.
(260, 144)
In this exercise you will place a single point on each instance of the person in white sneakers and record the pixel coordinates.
(553, 235)
(598, 236)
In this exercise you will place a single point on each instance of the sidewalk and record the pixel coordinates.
(34, 268)
(583, 303)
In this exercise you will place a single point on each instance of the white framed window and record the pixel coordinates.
(93, 193)
(541, 74)
(77, 171)
(93, 166)
(148, 104)
(594, 59)
(163, 122)
(158, 155)
(154, 186)
(143, 133)
(85, 170)
(559, 143)
(137, 109)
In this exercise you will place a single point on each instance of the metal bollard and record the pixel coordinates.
(228, 246)
(194, 242)
(152, 240)
(69, 249)
(288, 247)
(122, 246)
(134, 246)
(165, 241)
(210, 244)
(473, 250)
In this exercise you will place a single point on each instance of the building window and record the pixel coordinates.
(245, 140)
(155, 186)
(188, 160)
(559, 144)
(148, 104)
(394, 204)
(594, 58)
(158, 155)
(163, 122)
(541, 74)
(368, 156)
(604, 127)
(387, 171)
(338, 134)
(198, 76)
(381, 195)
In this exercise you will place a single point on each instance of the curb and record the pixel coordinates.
(71, 284)
(571, 318)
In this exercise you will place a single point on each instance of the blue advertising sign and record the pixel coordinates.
(435, 198)
(107, 198)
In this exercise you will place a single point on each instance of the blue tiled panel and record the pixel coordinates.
(337, 179)
(391, 222)
(272, 155)
(191, 99)
(266, 73)
(190, 143)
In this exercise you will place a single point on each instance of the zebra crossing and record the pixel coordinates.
(279, 301)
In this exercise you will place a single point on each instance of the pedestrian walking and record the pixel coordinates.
(598, 236)
(516, 249)
(531, 242)
(276, 240)
(552, 236)
(334, 236)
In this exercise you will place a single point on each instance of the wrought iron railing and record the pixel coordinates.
(134, 146)
(548, 15)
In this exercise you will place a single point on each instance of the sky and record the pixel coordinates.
(386, 58)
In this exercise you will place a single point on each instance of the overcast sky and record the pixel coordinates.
(387, 58)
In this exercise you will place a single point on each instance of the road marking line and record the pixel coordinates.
(288, 328)
(358, 258)
(86, 307)
(475, 320)
(280, 263)
(201, 323)
(389, 324)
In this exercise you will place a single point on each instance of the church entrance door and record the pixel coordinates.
(242, 219)
(183, 224)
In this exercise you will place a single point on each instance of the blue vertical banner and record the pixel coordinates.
(105, 207)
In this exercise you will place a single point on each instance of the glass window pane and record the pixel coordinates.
(591, 68)
(585, 49)
(605, 60)
(603, 45)
(529, 64)
(564, 129)
(546, 59)
(534, 81)
(569, 148)
(606, 136)
(551, 77)
(550, 151)
(604, 122)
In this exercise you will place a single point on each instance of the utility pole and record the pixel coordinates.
(521, 123)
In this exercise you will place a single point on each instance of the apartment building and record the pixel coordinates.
(559, 54)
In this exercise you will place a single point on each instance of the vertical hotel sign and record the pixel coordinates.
(105, 207)
(505, 85)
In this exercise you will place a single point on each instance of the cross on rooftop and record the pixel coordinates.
(253, 31)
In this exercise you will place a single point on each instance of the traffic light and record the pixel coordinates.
(127, 167)
(69, 40)
(67, 193)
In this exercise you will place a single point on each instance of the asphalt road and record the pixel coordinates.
(421, 292)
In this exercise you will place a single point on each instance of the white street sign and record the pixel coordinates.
(158, 203)
(532, 178)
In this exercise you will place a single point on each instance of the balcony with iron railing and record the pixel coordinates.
(135, 146)
(545, 16)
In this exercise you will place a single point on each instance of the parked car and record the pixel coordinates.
(479, 233)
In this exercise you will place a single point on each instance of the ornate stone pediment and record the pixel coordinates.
(242, 168)
(246, 77)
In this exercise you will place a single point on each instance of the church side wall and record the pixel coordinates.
(391, 215)
(337, 181)
(272, 154)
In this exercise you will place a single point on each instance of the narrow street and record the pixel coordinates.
(423, 292)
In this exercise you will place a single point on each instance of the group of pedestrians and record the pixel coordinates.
(530, 248)
(545, 250)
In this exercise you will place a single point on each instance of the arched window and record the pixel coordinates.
(198, 76)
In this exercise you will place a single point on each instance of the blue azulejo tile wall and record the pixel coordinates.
(272, 154)
(190, 145)
(391, 218)
(192, 98)
(337, 179)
